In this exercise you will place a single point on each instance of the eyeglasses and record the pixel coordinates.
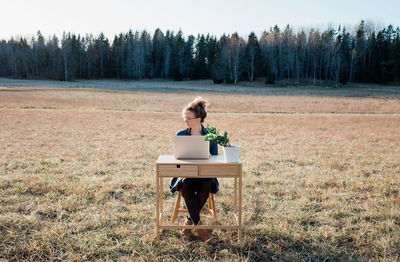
(188, 119)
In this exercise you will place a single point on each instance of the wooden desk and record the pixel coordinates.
(215, 166)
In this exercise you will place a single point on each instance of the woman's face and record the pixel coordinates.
(190, 119)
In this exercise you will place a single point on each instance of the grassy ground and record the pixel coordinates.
(244, 87)
(321, 176)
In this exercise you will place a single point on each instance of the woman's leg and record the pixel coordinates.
(204, 188)
(195, 192)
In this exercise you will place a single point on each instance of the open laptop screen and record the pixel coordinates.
(194, 147)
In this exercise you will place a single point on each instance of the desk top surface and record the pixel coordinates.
(213, 160)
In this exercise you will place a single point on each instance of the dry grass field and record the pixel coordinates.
(321, 176)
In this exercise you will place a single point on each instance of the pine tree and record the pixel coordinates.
(178, 56)
(361, 50)
(157, 53)
(200, 63)
(188, 54)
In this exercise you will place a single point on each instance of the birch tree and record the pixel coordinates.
(236, 53)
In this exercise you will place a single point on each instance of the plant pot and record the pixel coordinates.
(231, 153)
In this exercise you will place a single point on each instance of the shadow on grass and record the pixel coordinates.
(261, 246)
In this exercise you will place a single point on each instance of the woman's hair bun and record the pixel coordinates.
(200, 102)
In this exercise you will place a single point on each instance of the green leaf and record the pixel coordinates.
(214, 136)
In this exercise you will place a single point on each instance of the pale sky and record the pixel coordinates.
(25, 18)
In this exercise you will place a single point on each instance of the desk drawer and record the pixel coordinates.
(218, 170)
(178, 170)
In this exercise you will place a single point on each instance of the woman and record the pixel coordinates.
(195, 191)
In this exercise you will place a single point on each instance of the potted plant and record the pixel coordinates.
(231, 152)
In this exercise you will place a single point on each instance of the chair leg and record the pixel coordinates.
(177, 205)
(213, 207)
(210, 207)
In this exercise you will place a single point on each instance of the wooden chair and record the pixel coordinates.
(211, 211)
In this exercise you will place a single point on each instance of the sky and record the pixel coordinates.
(25, 18)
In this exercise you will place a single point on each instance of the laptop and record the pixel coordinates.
(194, 147)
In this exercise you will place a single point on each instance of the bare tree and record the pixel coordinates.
(236, 52)
(352, 62)
(315, 40)
(89, 55)
(66, 49)
(166, 52)
(336, 60)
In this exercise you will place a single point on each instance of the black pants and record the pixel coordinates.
(195, 191)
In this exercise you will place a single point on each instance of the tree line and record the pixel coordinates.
(368, 55)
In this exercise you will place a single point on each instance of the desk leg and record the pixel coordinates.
(157, 205)
(161, 202)
(240, 203)
(235, 196)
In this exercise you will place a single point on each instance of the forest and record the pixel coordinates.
(368, 55)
